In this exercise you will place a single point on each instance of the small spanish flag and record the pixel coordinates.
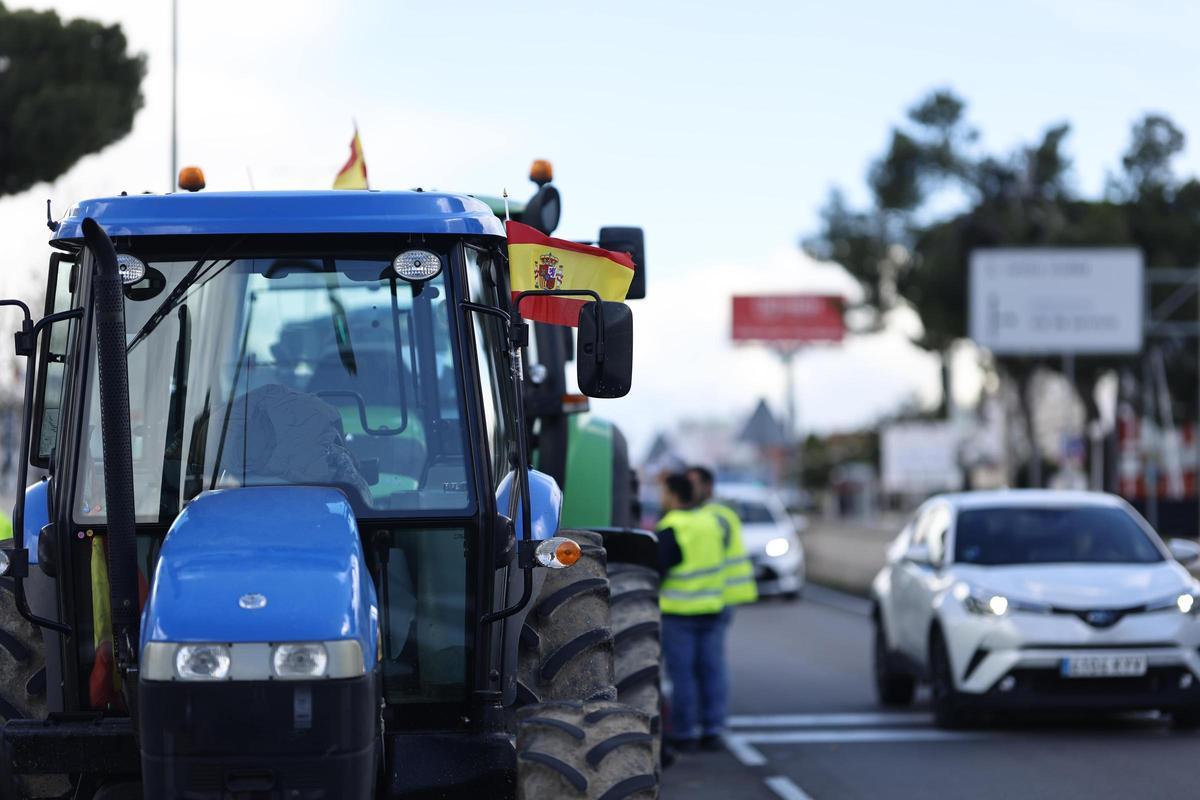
(354, 174)
(537, 261)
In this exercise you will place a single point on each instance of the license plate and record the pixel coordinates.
(1130, 666)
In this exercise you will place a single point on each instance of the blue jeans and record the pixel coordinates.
(694, 649)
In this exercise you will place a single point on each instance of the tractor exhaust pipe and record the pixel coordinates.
(113, 364)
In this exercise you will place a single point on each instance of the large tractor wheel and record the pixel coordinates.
(566, 646)
(594, 751)
(637, 639)
(22, 692)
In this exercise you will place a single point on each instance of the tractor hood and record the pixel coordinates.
(263, 564)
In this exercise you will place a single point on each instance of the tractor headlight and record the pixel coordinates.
(202, 662)
(304, 660)
(253, 661)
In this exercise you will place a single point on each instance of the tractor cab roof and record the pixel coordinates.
(319, 212)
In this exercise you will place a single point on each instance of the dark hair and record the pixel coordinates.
(703, 473)
(677, 483)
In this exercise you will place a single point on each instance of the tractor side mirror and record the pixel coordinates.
(632, 241)
(604, 357)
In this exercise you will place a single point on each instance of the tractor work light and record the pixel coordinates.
(417, 265)
(302, 660)
(131, 268)
(5, 562)
(558, 552)
(202, 662)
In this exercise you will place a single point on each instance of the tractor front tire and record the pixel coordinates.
(22, 692)
(637, 640)
(585, 751)
(566, 645)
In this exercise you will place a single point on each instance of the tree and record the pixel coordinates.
(67, 89)
(1022, 198)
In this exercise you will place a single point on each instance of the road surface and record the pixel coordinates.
(805, 725)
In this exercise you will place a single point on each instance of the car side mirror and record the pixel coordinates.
(919, 554)
(604, 352)
(1185, 551)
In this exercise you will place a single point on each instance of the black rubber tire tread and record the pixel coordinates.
(893, 687)
(597, 753)
(948, 712)
(637, 635)
(23, 692)
(615, 758)
(565, 727)
(565, 651)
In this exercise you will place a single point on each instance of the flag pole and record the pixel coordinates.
(504, 194)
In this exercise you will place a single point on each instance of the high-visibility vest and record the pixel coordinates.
(695, 585)
(739, 571)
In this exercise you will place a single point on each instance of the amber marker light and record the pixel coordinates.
(558, 552)
(191, 179)
(540, 172)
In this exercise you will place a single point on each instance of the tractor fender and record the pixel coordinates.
(264, 564)
(545, 507)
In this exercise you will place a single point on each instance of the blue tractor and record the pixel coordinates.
(290, 546)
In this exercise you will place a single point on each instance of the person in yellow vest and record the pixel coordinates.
(740, 587)
(692, 563)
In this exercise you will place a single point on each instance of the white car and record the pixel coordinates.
(1032, 599)
(770, 536)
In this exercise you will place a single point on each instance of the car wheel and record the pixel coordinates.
(893, 687)
(1185, 719)
(948, 711)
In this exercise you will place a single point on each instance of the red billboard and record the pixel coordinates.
(792, 318)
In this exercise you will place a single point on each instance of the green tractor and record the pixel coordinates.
(291, 544)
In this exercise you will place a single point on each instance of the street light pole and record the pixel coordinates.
(174, 88)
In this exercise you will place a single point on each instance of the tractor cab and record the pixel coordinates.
(276, 554)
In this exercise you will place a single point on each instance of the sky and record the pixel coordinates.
(719, 129)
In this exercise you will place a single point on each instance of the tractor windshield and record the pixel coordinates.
(261, 366)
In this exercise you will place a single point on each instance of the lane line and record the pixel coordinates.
(835, 598)
(786, 788)
(859, 736)
(743, 751)
(830, 720)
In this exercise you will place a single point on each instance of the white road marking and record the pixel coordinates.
(857, 736)
(786, 788)
(830, 720)
(843, 601)
(743, 751)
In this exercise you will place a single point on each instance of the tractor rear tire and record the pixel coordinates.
(22, 692)
(587, 751)
(637, 640)
(566, 645)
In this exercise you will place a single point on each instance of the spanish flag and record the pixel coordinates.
(354, 174)
(537, 261)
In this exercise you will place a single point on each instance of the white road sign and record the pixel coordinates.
(920, 458)
(1026, 301)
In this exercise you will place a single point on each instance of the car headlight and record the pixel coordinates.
(202, 662)
(1185, 603)
(303, 660)
(993, 604)
(777, 547)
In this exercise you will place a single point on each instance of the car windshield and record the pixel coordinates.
(751, 512)
(1052, 535)
(269, 367)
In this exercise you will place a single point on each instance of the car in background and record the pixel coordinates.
(771, 537)
(1034, 599)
